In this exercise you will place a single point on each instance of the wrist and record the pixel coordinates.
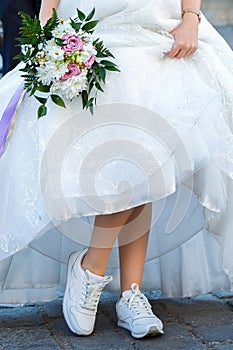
(191, 14)
(190, 18)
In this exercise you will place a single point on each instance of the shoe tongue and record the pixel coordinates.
(94, 278)
(134, 289)
(127, 293)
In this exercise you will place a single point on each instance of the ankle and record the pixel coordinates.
(86, 265)
(135, 285)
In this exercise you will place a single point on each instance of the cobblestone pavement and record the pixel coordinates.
(204, 322)
(198, 323)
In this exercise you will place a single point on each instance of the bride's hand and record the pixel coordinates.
(186, 37)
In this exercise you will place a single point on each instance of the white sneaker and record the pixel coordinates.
(81, 296)
(134, 313)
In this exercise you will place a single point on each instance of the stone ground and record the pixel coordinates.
(204, 322)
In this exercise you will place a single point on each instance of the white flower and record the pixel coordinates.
(84, 55)
(26, 48)
(72, 87)
(62, 29)
(40, 54)
(91, 50)
(50, 72)
(40, 46)
(54, 51)
(86, 37)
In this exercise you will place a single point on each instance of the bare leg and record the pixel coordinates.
(133, 227)
(133, 251)
(105, 232)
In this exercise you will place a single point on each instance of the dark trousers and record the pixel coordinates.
(11, 23)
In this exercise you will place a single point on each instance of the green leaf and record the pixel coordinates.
(90, 102)
(51, 24)
(89, 105)
(113, 69)
(42, 100)
(25, 69)
(91, 108)
(58, 100)
(28, 54)
(108, 53)
(84, 98)
(91, 84)
(89, 25)
(28, 86)
(91, 15)
(42, 110)
(59, 41)
(30, 30)
(107, 63)
(96, 68)
(33, 89)
(20, 57)
(43, 88)
(81, 15)
(98, 87)
(102, 74)
(101, 54)
(75, 25)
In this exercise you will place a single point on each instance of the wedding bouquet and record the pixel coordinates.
(62, 59)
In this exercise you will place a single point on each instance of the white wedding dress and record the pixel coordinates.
(161, 133)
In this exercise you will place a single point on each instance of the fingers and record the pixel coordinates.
(181, 50)
(174, 51)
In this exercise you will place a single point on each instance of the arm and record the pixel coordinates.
(46, 9)
(186, 34)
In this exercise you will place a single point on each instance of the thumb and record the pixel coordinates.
(172, 32)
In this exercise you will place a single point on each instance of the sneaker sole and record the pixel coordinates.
(71, 261)
(153, 331)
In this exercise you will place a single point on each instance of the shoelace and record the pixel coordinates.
(91, 294)
(138, 303)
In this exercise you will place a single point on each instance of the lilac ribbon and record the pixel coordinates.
(7, 117)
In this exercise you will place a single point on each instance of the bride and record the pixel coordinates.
(156, 157)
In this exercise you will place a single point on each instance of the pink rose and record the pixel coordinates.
(72, 43)
(73, 70)
(90, 61)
